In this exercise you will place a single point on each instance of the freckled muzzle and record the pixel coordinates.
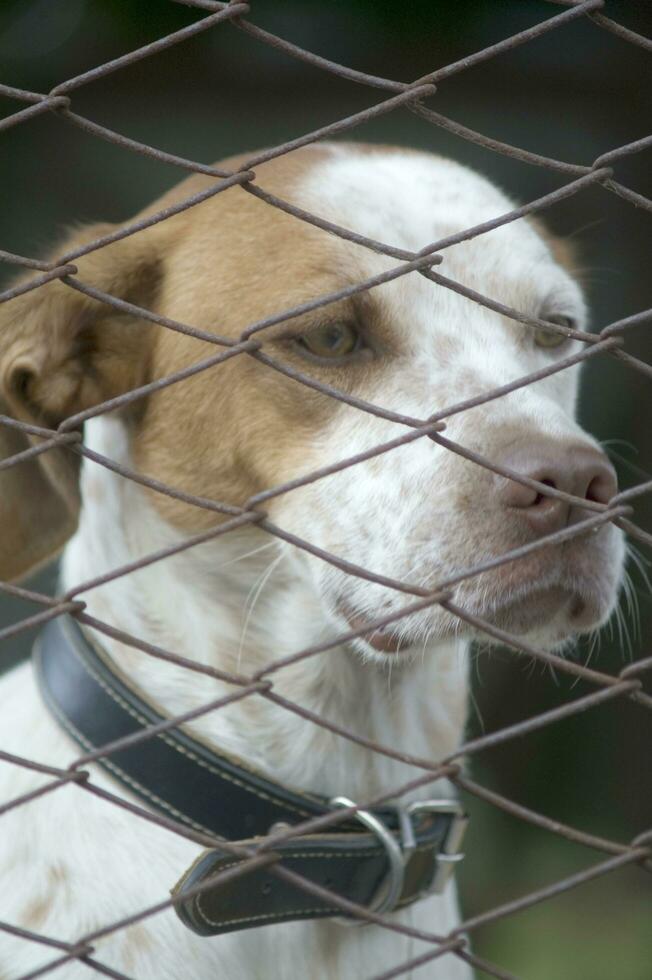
(562, 580)
(571, 583)
(569, 580)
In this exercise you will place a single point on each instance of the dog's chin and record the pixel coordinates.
(548, 614)
(545, 615)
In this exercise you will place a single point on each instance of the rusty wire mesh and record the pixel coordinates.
(627, 684)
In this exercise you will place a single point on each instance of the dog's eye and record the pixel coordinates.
(332, 341)
(549, 338)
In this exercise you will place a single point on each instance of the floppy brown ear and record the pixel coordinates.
(60, 353)
(35, 521)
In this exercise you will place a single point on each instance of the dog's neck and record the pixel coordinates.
(239, 604)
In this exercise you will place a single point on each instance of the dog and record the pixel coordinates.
(71, 862)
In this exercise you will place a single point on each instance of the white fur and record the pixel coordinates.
(415, 514)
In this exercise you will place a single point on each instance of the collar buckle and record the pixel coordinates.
(398, 854)
(449, 854)
(387, 896)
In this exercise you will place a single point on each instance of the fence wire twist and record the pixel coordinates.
(627, 684)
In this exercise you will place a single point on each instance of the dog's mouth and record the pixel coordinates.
(566, 596)
(384, 639)
(547, 607)
(569, 611)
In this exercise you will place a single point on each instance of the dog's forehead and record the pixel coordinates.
(418, 195)
(411, 199)
(267, 261)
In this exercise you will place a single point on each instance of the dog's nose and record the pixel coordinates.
(577, 469)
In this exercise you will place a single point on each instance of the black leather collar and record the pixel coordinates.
(208, 791)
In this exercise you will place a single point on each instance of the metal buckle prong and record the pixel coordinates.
(408, 839)
(450, 853)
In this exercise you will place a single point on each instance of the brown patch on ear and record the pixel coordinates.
(35, 520)
(564, 252)
(60, 353)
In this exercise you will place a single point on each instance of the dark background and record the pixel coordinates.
(572, 94)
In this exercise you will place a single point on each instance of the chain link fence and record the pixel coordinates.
(626, 686)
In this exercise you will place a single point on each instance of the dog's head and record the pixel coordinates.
(420, 513)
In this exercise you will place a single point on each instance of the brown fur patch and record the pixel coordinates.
(36, 912)
(135, 940)
(58, 875)
(239, 427)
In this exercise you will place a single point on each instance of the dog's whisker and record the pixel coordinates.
(249, 554)
(472, 698)
(641, 564)
(633, 605)
(256, 589)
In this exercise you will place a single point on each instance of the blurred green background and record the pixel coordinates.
(572, 94)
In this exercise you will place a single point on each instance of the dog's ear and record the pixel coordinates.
(564, 251)
(60, 353)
